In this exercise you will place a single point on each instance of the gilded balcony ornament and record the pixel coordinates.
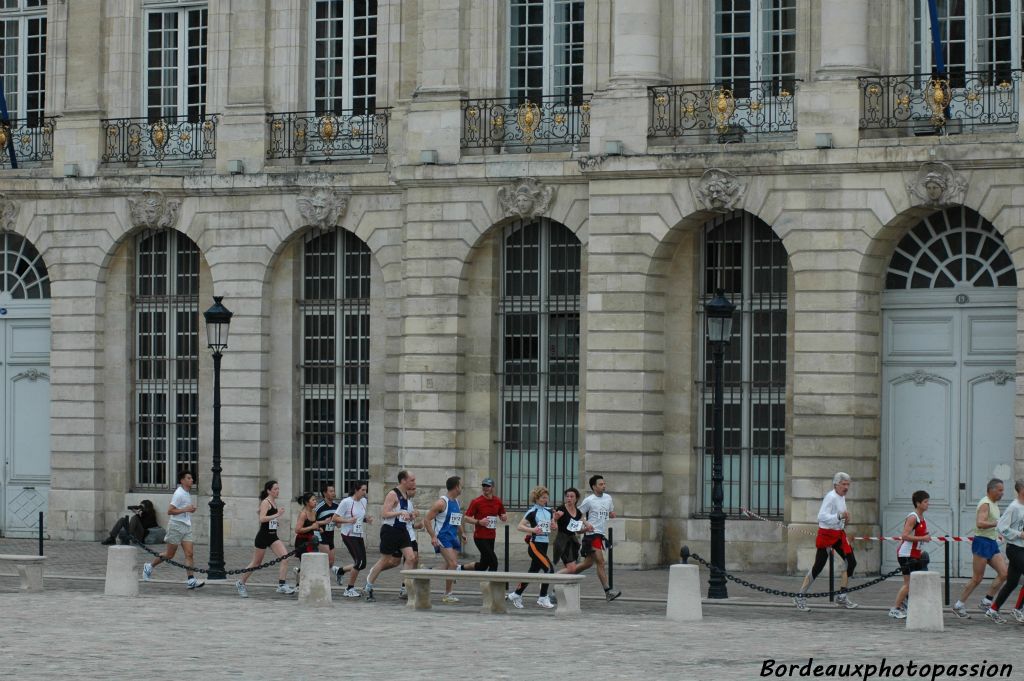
(689, 110)
(528, 120)
(1004, 85)
(207, 126)
(184, 136)
(785, 94)
(327, 127)
(585, 107)
(972, 96)
(723, 106)
(755, 105)
(472, 112)
(937, 96)
(300, 134)
(111, 131)
(903, 101)
(25, 139)
(158, 133)
(356, 131)
(278, 124)
(559, 118)
(661, 99)
(874, 90)
(498, 121)
(135, 139)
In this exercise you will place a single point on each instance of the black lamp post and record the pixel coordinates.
(719, 315)
(218, 319)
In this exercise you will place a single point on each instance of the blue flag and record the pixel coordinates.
(5, 120)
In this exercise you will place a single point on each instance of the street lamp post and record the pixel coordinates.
(218, 319)
(719, 317)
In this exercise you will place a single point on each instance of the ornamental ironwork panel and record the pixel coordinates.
(326, 136)
(955, 102)
(32, 140)
(167, 139)
(724, 112)
(515, 125)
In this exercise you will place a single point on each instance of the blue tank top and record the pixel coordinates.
(446, 528)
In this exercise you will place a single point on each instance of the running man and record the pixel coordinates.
(179, 531)
(985, 549)
(832, 519)
(444, 525)
(325, 511)
(598, 508)
(908, 553)
(483, 513)
(1011, 528)
(352, 516)
(396, 533)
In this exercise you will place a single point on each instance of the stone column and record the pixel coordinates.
(77, 137)
(241, 132)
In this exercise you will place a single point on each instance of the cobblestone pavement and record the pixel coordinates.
(71, 630)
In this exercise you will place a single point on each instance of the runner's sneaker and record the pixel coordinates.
(994, 616)
(611, 595)
(147, 572)
(351, 593)
(240, 587)
(516, 599)
(843, 601)
(960, 610)
(402, 593)
(986, 604)
(450, 599)
(285, 589)
(897, 613)
(369, 594)
(545, 602)
(193, 583)
(1017, 615)
(801, 604)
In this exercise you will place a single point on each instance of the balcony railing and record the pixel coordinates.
(327, 136)
(33, 143)
(165, 140)
(928, 104)
(723, 112)
(508, 124)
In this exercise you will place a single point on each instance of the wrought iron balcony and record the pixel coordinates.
(32, 141)
(327, 136)
(928, 103)
(512, 125)
(169, 139)
(723, 112)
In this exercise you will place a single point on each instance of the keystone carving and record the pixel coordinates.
(719, 191)
(525, 198)
(8, 213)
(322, 208)
(937, 185)
(153, 211)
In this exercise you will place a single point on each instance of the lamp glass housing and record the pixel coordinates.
(218, 321)
(719, 313)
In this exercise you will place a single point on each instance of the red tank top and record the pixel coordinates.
(920, 530)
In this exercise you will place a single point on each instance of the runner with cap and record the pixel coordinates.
(483, 513)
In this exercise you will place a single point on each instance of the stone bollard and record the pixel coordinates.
(314, 580)
(122, 578)
(684, 594)
(925, 610)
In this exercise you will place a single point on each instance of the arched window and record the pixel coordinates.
(166, 317)
(335, 362)
(23, 273)
(744, 257)
(953, 248)
(539, 363)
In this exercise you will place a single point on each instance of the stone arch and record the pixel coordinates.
(23, 271)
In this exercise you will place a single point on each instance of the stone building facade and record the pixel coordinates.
(483, 246)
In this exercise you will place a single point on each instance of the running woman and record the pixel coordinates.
(570, 523)
(1011, 528)
(832, 519)
(396, 534)
(266, 538)
(985, 549)
(908, 552)
(307, 527)
(483, 513)
(179, 531)
(444, 525)
(537, 526)
(598, 508)
(325, 511)
(352, 516)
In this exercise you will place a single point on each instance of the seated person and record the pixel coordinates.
(141, 525)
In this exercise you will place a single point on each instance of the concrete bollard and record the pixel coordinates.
(314, 580)
(684, 594)
(122, 577)
(925, 610)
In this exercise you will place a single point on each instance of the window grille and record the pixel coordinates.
(546, 49)
(23, 59)
(744, 257)
(976, 35)
(539, 364)
(345, 56)
(335, 364)
(166, 316)
(175, 62)
(755, 40)
(23, 274)
(952, 248)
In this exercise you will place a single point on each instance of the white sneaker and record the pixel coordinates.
(986, 604)
(351, 593)
(843, 601)
(897, 613)
(516, 599)
(994, 616)
(545, 602)
(1017, 615)
(240, 587)
(451, 599)
(285, 589)
(801, 604)
(147, 572)
(402, 593)
(193, 583)
(960, 610)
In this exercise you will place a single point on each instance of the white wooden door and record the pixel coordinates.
(947, 410)
(25, 413)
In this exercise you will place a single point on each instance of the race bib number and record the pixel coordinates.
(272, 524)
(329, 527)
(598, 516)
(575, 526)
(455, 520)
(492, 522)
(357, 528)
(545, 526)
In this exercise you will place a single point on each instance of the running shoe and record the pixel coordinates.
(545, 602)
(1017, 615)
(612, 595)
(402, 593)
(450, 599)
(986, 604)
(801, 604)
(994, 616)
(147, 572)
(351, 593)
(240, 587)
(285, 589)
(960, 611)
(897, 614)
(193, 583)
(369, 594)
(843, 601)
(516, 599)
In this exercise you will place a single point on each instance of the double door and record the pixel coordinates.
(947, 413)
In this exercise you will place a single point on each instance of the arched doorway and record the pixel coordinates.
(25, 381)
(949, 324)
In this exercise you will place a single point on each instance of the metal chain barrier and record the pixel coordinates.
(201, 571)
(789, 594)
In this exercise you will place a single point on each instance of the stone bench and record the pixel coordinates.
(492, 587)
(30, 568)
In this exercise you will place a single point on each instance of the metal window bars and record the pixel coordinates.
(327, 136)
(515, 125)
(727, 111)
(32, 140)
(176, 139)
